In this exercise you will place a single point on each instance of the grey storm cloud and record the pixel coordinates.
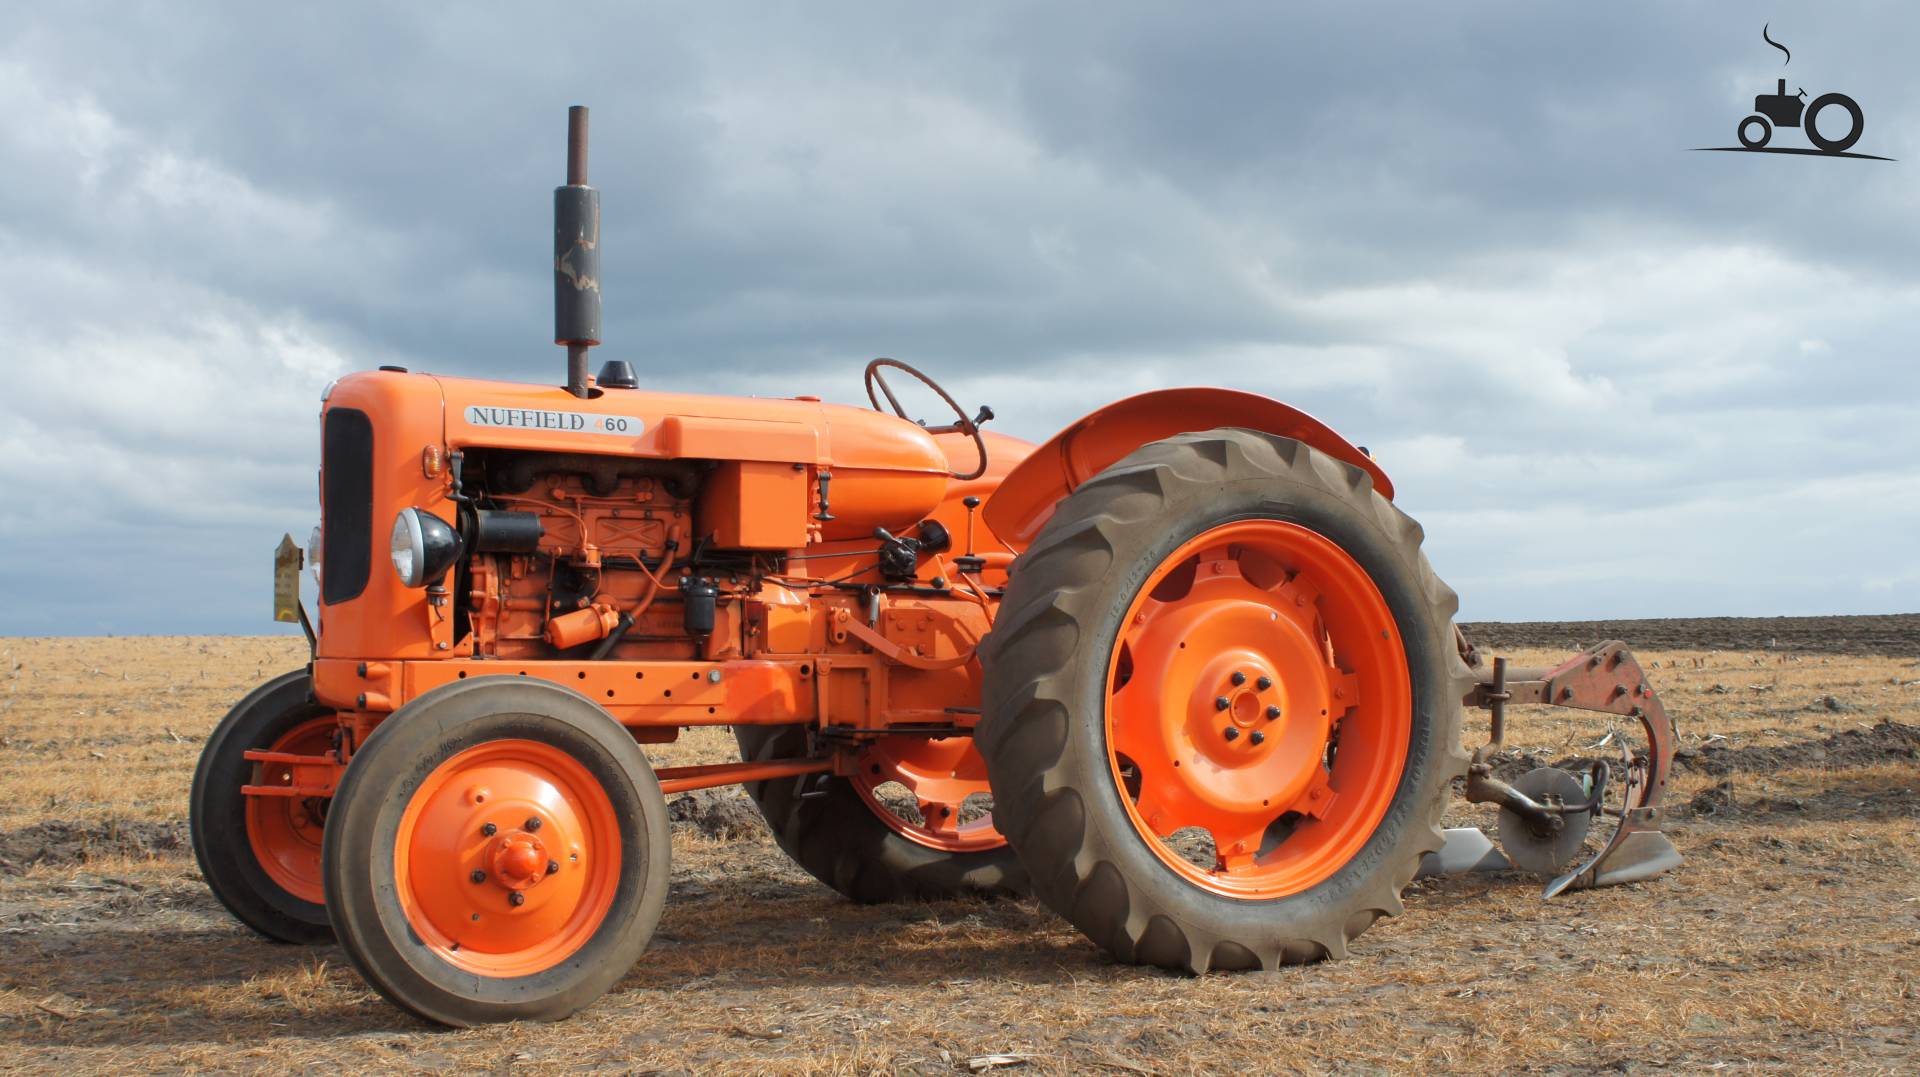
(1611, 376)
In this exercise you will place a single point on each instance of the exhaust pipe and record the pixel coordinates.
(576, 257)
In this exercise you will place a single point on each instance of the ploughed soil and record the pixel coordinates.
(1789, 942)
(1895, 635)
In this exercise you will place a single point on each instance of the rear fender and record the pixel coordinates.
(1027, 496)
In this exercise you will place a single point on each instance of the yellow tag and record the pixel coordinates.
(286, 580)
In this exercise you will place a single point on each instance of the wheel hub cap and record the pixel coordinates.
(519, 860)
(1259, 693)
(1230, 635)
(508, 857)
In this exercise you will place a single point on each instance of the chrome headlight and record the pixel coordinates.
(423, 547)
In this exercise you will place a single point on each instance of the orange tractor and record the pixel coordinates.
(1181, 672)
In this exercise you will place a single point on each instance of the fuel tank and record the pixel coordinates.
(885, 471)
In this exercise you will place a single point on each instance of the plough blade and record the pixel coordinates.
(1631, 856)
(1467, 849)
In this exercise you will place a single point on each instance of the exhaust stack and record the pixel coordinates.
(576, 257)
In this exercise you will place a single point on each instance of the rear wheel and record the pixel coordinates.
(909, 826)
(1857, 123)
(498, 851)
(1223, 705)
(261, 855)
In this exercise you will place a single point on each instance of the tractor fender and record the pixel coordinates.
(1027, 495)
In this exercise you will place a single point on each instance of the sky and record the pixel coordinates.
(1611, 376)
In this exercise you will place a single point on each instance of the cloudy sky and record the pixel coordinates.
(1611, 376)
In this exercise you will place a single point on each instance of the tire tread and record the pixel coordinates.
(1031, 678)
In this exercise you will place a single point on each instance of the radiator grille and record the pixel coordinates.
(346, 505)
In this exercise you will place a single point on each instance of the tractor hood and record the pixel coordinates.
(635, 422)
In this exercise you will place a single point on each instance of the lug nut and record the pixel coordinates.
(1238, 678)
(516, 899)
(1263, 683)
(533, 822)
(1273, 711)
(1232, 733)
(1256, 736)
(478, 876)
(1220, 703)
(553, 866)
(489, 830)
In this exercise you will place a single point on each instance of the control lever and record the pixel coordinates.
(965, 425)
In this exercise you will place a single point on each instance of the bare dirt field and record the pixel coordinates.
(1788, 943)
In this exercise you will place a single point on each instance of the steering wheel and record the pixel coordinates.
(964, 425)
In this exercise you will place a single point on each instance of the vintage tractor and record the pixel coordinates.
(1182, 672)
(1781, 109)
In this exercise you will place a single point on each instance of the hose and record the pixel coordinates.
(628, 620)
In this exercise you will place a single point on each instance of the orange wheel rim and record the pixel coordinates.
(940, 773)
(285, 831)
(1258, 692)
(508, 858)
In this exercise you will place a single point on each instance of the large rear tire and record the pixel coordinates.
(1857, 122)
(261, 855)
(497, 851)
(849, 839)
(1222, 704)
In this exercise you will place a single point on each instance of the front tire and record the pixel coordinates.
(497, 851)
(1295, 709)
(261, 855)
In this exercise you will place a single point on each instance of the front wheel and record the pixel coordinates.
(1754, 131)
(261, 855)
(1222, 704)
(497, 851)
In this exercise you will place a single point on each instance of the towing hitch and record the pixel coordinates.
(1545, 816)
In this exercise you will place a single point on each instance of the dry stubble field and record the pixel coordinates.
(1789, 942)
